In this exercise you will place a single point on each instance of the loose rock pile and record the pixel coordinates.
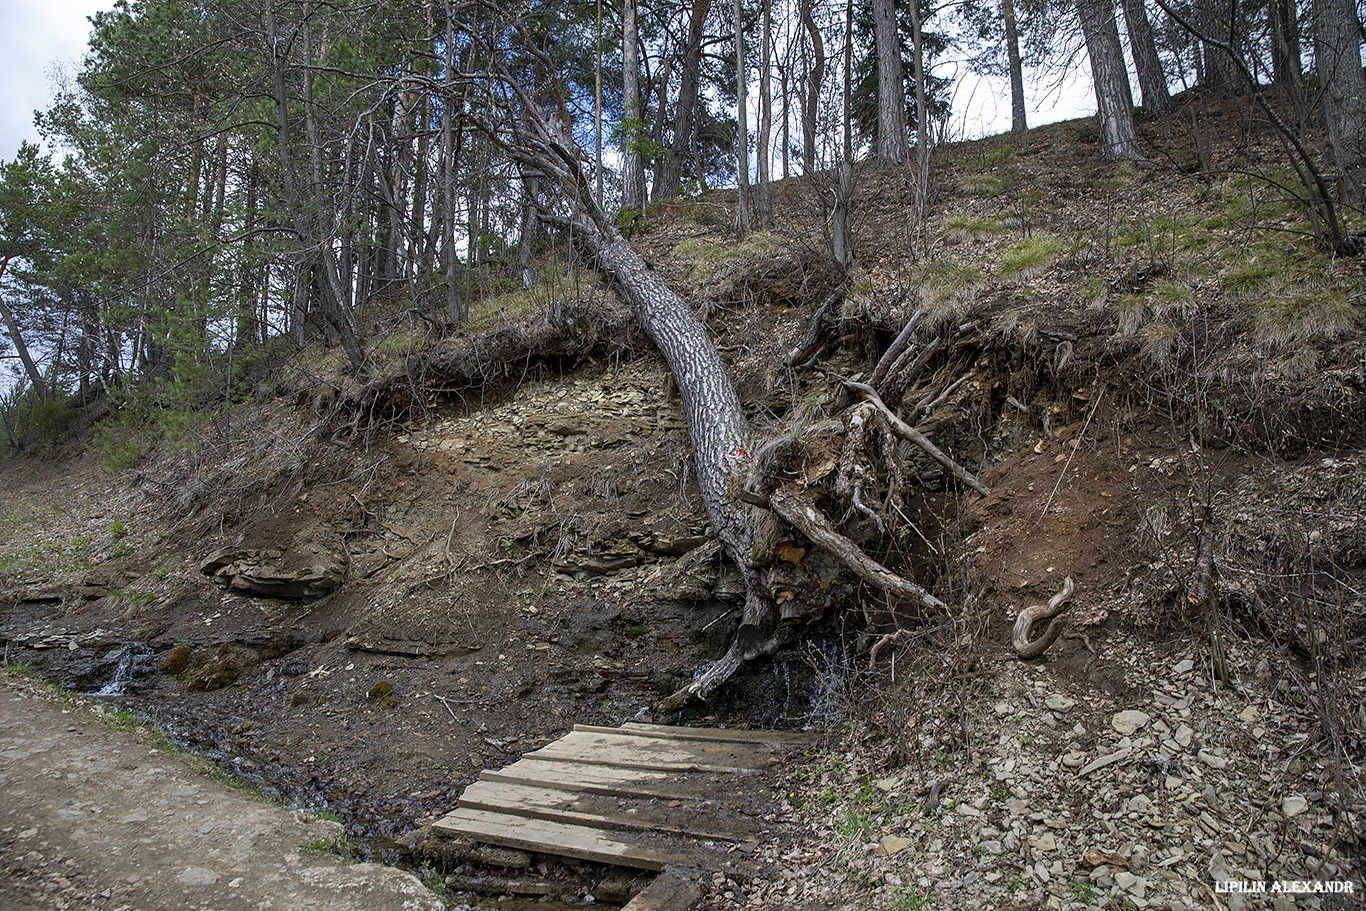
(1152, 799)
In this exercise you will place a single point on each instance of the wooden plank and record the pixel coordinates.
(627, 751)
(563, 839)
(690, 819)
(794, 739)
(668, 892)
(574, 776)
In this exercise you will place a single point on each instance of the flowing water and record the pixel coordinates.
(132, 662)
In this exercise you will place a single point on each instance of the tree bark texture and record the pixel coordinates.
(633, 163)
(305, 220)
(1222, 74)
(1283, 19)
(16, 337)
(721, 438)
(1337, 55)
(764, 213)
(742, 215)
(815, 76)
(685, 117)
(1152, 81)
(1114, 101)
(1017, 99)
(892, 145)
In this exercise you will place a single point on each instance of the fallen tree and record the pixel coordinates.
(747, 484)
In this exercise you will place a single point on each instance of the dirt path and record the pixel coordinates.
(94, 816)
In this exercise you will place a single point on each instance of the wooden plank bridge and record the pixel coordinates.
(641, 796)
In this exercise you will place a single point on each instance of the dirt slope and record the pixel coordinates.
(1124, 352)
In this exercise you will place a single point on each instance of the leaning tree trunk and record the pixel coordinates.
(726, 455)
(16, 336)
(1114, 100)
(722, 442)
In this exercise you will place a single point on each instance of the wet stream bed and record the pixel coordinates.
(315, 729)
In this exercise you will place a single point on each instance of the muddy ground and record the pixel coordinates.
(361, 622)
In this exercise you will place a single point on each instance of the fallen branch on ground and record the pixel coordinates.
(1019, 636)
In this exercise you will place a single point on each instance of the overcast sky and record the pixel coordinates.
(35, 35)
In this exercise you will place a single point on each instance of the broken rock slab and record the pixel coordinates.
(305, 573)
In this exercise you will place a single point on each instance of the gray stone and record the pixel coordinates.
(304, 573)
(197, 876)
(1212, 760)
(1130, 721)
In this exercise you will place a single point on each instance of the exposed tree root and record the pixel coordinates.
(902, 429)
(1019, 636)
(798, 508)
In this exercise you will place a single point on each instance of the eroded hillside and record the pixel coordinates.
(358, 597)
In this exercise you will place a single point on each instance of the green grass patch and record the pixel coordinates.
(1029, 258)
(944, 282)
(335, 845)
(1001, 156)
(1306, 314)
(961, 227)
(987, 185)
(705, 258)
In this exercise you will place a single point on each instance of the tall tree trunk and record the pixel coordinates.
(815, 76)
(922, 118)
(893, 146)
(743, 220)
(1222, 74)
(455, 311)
(1152, 81)
(1114, 102)
(764, 208)
(248, 328)
(417, 225)
(304, 216)
(660, 157)
(1283, 19)
(1337, 56)
(1017, 98)
(841, 240)
(597, 113)
(685, 112)
(783, 90)
(633, 126)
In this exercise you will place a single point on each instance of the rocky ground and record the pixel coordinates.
(359, 621)
(1147, 796)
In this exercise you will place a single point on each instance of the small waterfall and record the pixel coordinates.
(125, 670)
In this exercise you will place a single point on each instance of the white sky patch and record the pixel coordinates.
(35, 35)
(981, 104)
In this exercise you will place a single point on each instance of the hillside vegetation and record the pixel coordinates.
(358, 592)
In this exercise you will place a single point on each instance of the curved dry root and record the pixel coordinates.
(1019, 636)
